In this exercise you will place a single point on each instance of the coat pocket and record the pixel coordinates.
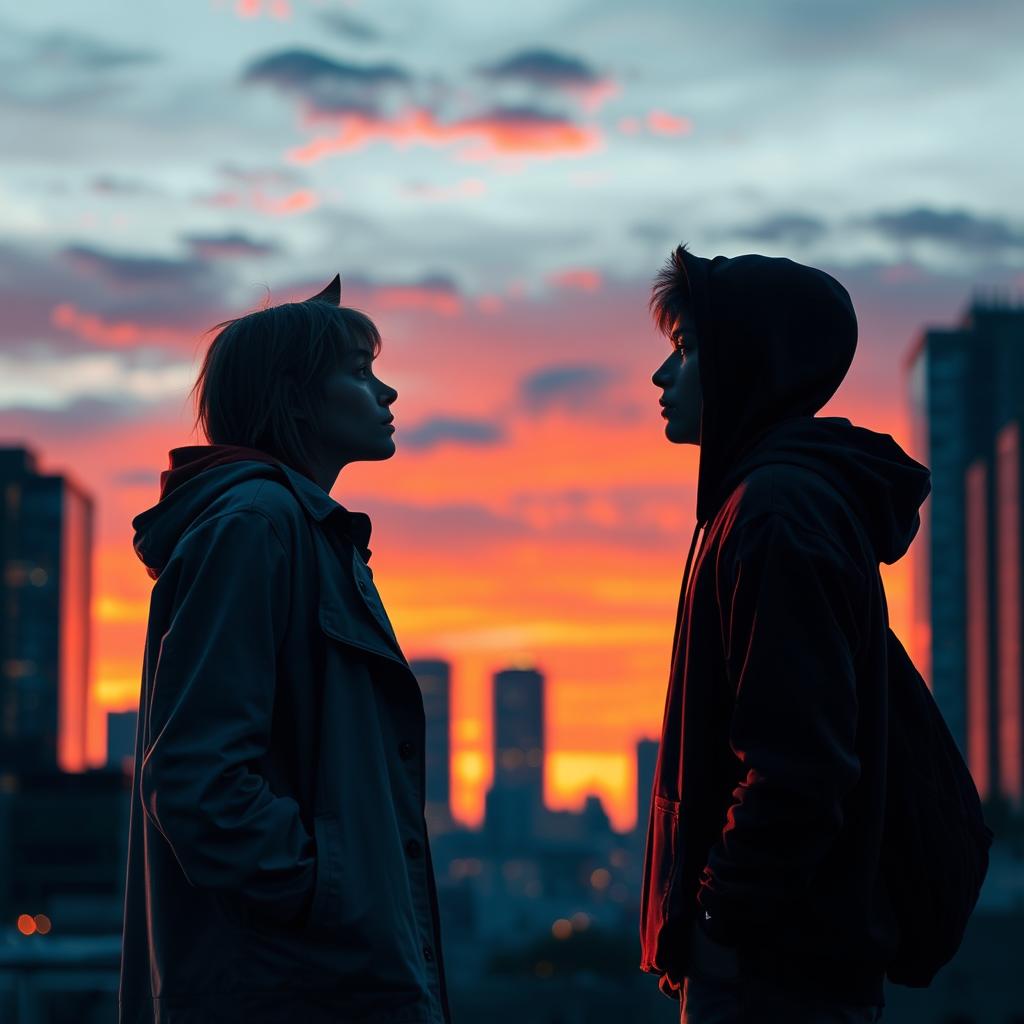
(327, 888)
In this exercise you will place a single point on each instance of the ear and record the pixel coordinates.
(331, 294)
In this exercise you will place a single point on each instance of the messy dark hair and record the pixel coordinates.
(670, 291)
(262, 374)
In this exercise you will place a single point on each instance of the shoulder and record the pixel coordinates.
(253, 507)
(796, 493)
(786, 504)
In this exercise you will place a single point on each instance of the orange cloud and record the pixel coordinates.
(113, 333)
(435, 300)
(299, 201)
(661, 123)
(498, 134)
(279, 9)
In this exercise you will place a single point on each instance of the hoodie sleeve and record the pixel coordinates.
(211, 708)
(786, 598)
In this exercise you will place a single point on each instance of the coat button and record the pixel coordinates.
(405, 750)
(428, 953)
(362, 586)
(413, 848)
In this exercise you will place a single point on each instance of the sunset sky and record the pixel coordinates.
(497, 187)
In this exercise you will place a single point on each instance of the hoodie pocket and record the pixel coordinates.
(661, 854)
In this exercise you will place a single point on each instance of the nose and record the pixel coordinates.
(388, 396)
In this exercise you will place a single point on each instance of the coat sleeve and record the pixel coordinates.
(787, 598)
(210, 719)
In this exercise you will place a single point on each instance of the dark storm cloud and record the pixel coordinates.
(229, 246)
(441, 430)
(542, 67)
(784, 227)
(570, 387)
(956, 228)
(330, 86)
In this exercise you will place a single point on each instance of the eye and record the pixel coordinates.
(363, 371)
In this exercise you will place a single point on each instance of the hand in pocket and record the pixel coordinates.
(711, 960)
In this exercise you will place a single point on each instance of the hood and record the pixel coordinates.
(197, 475)
(776, 339)
(882, 484)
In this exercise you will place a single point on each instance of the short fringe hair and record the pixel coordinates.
(263, 372)
(671, 290)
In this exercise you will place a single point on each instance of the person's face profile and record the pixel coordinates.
(679, 378)
(355, 415)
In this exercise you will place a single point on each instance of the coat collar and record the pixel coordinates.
(319, 505)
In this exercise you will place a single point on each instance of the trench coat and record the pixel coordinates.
(279, 866)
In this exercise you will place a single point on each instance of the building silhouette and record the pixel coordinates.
(434, 678)
(516, 799)
(646, 763)
(121, 727)
(46, 536)
(966, 391)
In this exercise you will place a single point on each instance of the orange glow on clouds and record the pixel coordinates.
(576, 279)
(299, 201)
(279, 9)
(661, 123)
(481, 138)
(112, 333)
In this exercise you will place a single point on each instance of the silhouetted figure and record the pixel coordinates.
(762, 897)
(279, 867)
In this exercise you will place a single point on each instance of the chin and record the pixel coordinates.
(679, 435)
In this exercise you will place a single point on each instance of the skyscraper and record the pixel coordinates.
(646, 763)
(46, 555)
(516, 799)
(121, 729)
(966, 388)
(434, 678)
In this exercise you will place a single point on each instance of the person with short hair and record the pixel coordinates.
(279, 865)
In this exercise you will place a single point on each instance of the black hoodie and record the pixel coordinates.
(766, 815)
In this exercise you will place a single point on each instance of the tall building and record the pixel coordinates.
(516, 799)
(646, 764)
(121, 728)
(46, 533)
(966, 391)
(434, 678)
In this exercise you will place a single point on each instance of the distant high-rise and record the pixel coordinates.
(46, 530)
(434, 678)
(121, 727)
(516, 799)
(646, 763)
(967, 401)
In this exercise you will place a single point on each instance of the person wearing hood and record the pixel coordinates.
(279, 865)
(763, 897)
